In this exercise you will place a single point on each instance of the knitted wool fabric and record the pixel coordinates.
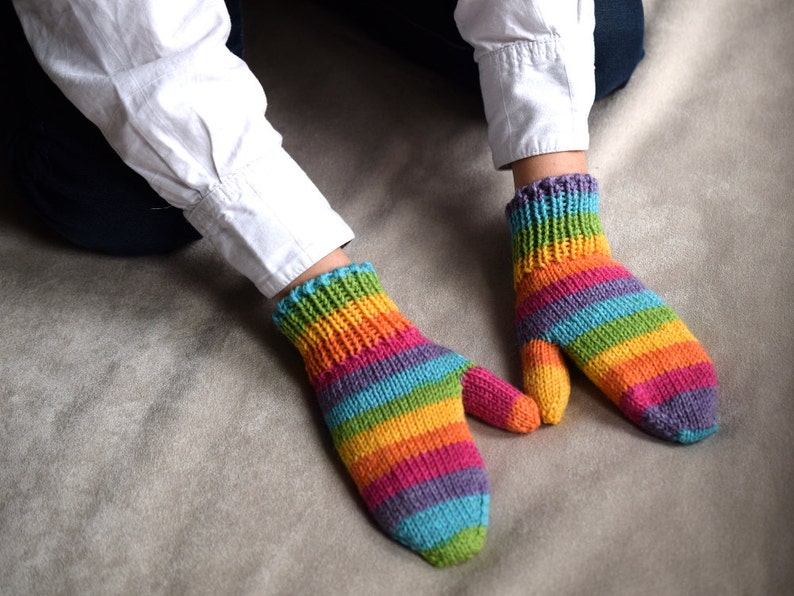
(573, 298)
(394, 402)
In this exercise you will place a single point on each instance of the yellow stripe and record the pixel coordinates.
(554, 273)
(560, 250)
(341, 320)
(550, 387)
(567, 248)
(545, 375)
(400, 428)
(670, 333)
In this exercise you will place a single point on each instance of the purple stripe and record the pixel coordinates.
(408, 337)
(551, 187)
(547, 317)
(569, 284)
(416, 498)
(360, 378)
(693, 410)
(640, 398)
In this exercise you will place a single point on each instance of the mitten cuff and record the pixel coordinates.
(555, 219)
(337, 315)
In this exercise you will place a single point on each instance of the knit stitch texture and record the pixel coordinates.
(394, 403)
(573, 298)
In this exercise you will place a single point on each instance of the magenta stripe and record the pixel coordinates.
(568, 285)
(545, 319)
(478, 381)
(421, 468)
(408, 338)
(637, 399)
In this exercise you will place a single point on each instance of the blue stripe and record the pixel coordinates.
(436, 525)
(358, 379)
(598, 314)
(394, 387)
(693, 436)
(540, 321)
(536, 212)
(418, 497)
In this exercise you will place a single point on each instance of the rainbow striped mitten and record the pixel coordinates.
(573, 298)
(394, 402)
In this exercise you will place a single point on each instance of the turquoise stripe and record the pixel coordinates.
(435, 525)
(693, 436)
(326, 279)
(538, 212)
(394, 387)
(595, 315)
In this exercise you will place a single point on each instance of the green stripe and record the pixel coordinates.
(422, 395)
(589, 345)
(338, 294)
(460, 547)
(520, 252)
(555, 229)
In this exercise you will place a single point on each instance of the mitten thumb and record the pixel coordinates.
(546, 378)
(496, 402)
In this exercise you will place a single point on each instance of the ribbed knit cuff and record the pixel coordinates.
(338, 314)
(555, 219)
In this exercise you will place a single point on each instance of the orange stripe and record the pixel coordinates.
(650, 365)
(563, 250)
(554, 272)
(524, 416)
(537, 352)
(340, 319)
(368, 468)
(320, 355)
(400, 428)
(672, 332)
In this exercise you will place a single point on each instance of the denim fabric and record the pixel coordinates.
(619, 33)
(71, 179)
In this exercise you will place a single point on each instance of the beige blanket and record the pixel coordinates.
(157, 434)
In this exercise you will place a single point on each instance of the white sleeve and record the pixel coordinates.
(189, 116)
(537, 75)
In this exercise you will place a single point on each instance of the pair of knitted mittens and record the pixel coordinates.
(395, 402)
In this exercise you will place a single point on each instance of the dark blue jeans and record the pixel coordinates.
(67, 173)
(426, 32)
(77, 185)
(619, 32)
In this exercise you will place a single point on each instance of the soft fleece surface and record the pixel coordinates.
(159, 436)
